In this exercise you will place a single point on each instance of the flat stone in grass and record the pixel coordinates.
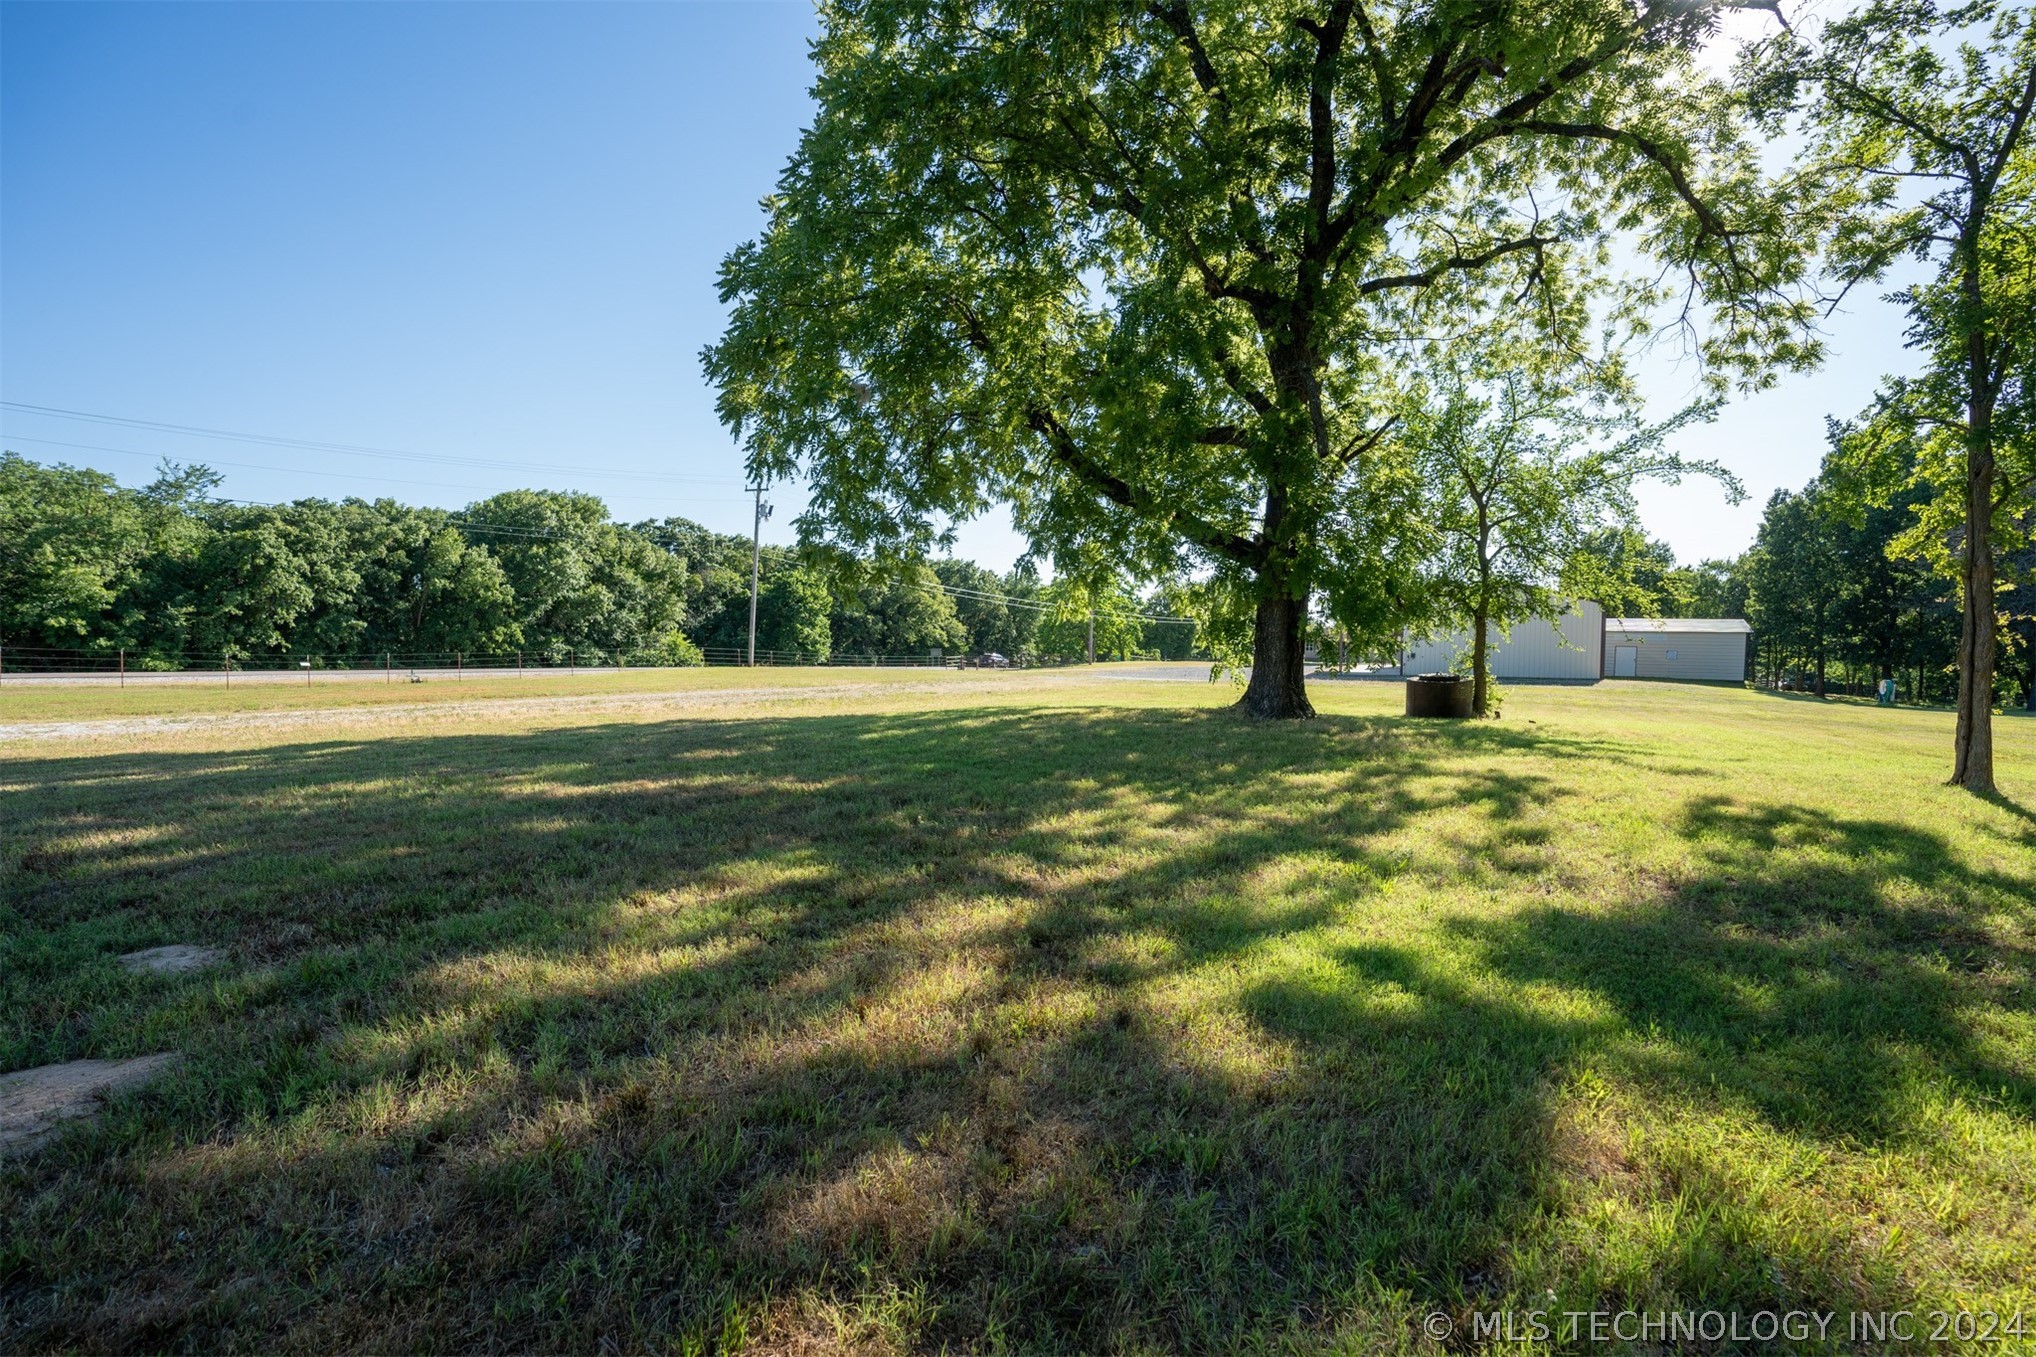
(34, 1103)
(175, 959)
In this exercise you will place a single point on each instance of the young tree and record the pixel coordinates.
(1919, 115)
(1521, 478)
(1152, 272)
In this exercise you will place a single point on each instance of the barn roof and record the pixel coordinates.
(1671, 625)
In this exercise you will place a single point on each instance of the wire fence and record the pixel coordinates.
(26, 663)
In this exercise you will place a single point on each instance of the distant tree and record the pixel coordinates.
(1170, 640)
(1154, 273)
(980, 602)
(1633, 575)
(794, 607)
(1918, 116)
(1521, 478)
(78, 551)
(793, 599)
(1793, 581)
(717, 575)
(249, 583)
(581, 582)
(1021, 585)
(995, 608)
(1104, 612)
(1715, 588)
(901, 611)
(426, 588)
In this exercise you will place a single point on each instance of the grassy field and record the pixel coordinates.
(1008, 1012)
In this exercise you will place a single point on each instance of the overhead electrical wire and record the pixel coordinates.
(297, 471)
(348, 449)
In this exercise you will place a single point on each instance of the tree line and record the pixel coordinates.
(167, 571)
(1843, 590)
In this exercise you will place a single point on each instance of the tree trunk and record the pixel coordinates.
(1973, 742)
(1278, 690)
(1480, 680)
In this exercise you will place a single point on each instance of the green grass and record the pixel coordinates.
(982, 1012)
(191, 694)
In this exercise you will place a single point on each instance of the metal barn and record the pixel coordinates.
(1533, 649)
(1698, 649)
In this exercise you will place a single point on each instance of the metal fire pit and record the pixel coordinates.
(1438, 695)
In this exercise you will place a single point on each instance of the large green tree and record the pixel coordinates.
(1151, 271)
(1918, 117)
(425, 587)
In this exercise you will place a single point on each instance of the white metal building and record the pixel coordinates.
(1703, 649)
(1533, 650)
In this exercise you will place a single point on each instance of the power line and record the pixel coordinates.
(1013, 601)
(346, 449)
(287, 470)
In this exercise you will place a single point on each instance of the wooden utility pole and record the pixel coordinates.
(755, 563)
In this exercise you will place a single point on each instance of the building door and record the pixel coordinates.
(1625, 661)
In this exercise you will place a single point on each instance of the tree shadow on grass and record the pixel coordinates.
(1788, 974)
(968, 1028)
(1816, 979)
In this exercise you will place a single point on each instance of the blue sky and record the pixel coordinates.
(481, 232)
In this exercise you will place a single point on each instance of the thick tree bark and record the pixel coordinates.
(1278, 690)
(1973, 741)
(1480, 681)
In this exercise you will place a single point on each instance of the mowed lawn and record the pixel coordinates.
(991, 1012)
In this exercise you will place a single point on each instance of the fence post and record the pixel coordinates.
(123, 666)
(459, 666)
(388, 667)
(519, 664)
(229, 669)
(573, 660)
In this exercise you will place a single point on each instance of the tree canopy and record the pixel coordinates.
(1152, 275)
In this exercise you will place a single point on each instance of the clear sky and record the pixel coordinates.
(487, 234)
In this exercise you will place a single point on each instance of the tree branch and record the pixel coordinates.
(1454, 262)
(1233, 546)
(1365, 442)
(1653, 150)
